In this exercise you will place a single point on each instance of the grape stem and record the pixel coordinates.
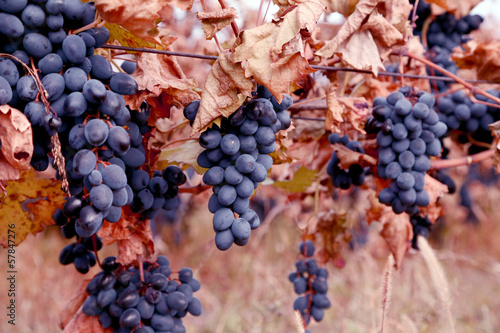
(466, 160)
(197, 189)
(450, 75)
(236, 31)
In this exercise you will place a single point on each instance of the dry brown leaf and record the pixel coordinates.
(344, 7)
(383, 31)
(482, 57)
(16, 137)
(460, 8)
(213, 22)
(225, 90)
(137, 16)
(397, 13)
(72, 306)
(183, 4)
(161, 83)
(139, 244)
(348, 29)
(436, 190)
(496, 159)
(273, 53)
(397, 232)
(81, 323)
(354, 109)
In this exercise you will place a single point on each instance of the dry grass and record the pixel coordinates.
(247, 290)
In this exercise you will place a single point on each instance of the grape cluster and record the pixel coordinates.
(355, 175)
(460, 113)
(409, 134)
(445, 33)
(81, 254)
(310, 283)
(76, 94)
(237, 157)
(157, 304)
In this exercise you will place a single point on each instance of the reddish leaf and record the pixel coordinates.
(140, 244)
(82, 323)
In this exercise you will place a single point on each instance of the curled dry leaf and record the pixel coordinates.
(397, 13)
(350, 30)
(213, 22)
(139, 244)
(225, 90)
(302, 179)
(495, 129)
(459, 7)
(29, 203)
(397, 232)
(436, 190)
(365, 39)
(183, 4)
(273, 53)
(482, 57)
(348, 157)
(344, 7)
(355, 109)
(72, 306)
(16, 138)
(137, 16)
(161, 83)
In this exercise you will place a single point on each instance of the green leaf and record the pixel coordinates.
(187, 154)
(302, 179)
(125, 37)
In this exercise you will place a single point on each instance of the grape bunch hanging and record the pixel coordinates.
(237, 157)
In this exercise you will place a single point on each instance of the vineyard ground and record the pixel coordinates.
(247, 290)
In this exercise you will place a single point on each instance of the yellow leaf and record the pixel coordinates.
(29, 204)
(302, 179)
(187, 154)
(125, 37)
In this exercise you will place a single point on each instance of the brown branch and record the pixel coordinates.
(317, 67)
(197, 189)
(451, 75)
(234, 26)
(466, 160)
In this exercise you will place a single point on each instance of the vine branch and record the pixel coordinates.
(317, 67)
(459, 161)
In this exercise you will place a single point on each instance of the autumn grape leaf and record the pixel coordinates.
(16, 138)
(225, 90)
(273, 53)
(161, 83)
(459, 7)
(302, 179)
(365, 38)
(137, 16)
(354, 109)
(140, 244)
(29, 203)
(482, 57)
(213, 22)
(344, 7)
(185, 154)
(397, 232)
(125, 37)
